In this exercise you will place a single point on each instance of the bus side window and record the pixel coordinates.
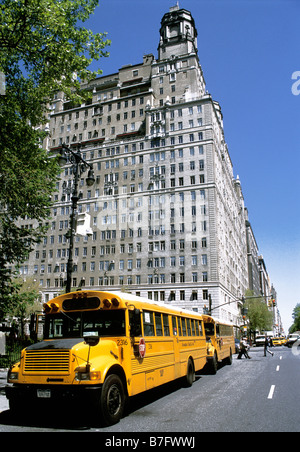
(148, 323)
(193, 327)
(174, 326)
(188, 323)
(217, 329)
(179, 326)
(166, 325)
(200, 328)
(183, 327)
(158, 324)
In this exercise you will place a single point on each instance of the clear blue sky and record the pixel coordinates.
(248, 50)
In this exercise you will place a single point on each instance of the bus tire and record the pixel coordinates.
(213, 365)
(112, 400)
(190, 374)
(229, 359)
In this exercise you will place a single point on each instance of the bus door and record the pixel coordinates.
(138, 347)
(210, 334)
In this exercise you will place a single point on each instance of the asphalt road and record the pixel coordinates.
(257, 395)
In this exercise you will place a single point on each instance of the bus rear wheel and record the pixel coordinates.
(228, 360)
(112, 400)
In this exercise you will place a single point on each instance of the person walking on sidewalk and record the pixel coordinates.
(266, 347)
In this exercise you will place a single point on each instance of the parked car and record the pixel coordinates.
(237, 345)
(292, 339)
(259, 341)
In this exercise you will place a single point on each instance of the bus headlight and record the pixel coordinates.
(12, 376)
(82, 375)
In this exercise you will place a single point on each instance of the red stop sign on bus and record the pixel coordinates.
(142, 348)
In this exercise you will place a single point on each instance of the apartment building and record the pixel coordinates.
(165, 218)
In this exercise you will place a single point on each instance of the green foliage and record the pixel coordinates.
(42, 46)
(24, 301)
(296, 317)
(259, 316)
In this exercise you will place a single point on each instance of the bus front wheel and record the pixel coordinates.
(190, 375)
(112, 400)
(213, 365)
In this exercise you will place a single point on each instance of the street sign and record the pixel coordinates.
(142, 348)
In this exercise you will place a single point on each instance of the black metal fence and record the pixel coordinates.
(13, 348)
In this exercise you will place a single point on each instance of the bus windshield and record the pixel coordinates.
(79, 324)
(209, 329)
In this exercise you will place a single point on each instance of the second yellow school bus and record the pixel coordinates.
(101, 347)
(220, 342)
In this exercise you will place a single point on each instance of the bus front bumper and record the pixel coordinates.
(52, 393)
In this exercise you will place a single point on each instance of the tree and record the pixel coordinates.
(24, 301)
(259, 316)
(44, 48)
(296, 317)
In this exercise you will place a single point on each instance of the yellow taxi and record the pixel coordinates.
(277, 341)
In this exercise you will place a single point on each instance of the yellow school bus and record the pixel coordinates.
(220, 342)
(101, 347)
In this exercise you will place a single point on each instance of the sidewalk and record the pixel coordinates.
(3, 400)
(3, 378)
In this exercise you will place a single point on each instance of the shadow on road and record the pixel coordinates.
(76, 417)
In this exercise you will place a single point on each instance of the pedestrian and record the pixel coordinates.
(266, 347)
(244, 347)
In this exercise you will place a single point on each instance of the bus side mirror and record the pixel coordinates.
(91, 338)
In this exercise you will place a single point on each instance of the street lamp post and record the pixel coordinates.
(79, 166)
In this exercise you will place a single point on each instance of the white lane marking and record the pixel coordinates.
(271, 393)
(277, 368)
(280, 357)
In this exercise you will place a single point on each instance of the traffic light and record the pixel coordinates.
(244, 311)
